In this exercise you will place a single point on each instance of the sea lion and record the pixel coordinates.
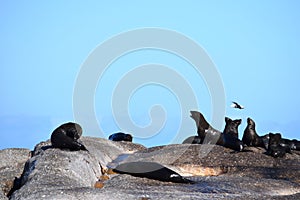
(265, 139)
(201, 124)
(295, 144)
(277, 148)
(231, 126)
(120, 137)
(192, 140)
(290, 144)
(251, 138)
(66, 137)
(209, 135)
(151, 170)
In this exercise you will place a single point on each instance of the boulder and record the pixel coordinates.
(51, 170)
(217, 173)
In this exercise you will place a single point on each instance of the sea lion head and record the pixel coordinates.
(250, 122)
(231, 122)
(73, 130)
(128, 137)
(231, 126)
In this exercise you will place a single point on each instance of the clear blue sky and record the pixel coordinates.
(254, 45)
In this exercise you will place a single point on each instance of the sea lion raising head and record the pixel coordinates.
(201, 123)
(66, 137)
(250, 137)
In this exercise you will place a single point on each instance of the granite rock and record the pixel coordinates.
(218, 173)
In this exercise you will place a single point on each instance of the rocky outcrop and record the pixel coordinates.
(11, 167)
(218, 173)
(51, 169)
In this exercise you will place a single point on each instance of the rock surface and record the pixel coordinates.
(11, 166)
(219, 172)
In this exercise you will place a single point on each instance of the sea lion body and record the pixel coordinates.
(291, 144)
(296, 145)
(150, 170)
(231, 142)
(277, 148)
(66, 137)
(120, 137)
(251, 138)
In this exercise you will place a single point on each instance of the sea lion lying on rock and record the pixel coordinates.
(279, 146)
(120, 137)
(293, 144)
(228, 138)
(66, 137)
(151, 170)
(276, 147)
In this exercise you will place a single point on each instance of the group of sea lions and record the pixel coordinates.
(274, 144)
(67, 135)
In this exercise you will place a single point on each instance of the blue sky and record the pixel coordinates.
(253, 44)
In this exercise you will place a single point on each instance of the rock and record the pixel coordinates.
(51, 169)
(11, 167)
(218, 173)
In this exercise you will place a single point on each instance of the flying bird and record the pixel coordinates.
(236, 105)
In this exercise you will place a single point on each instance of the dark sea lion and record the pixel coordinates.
(192, 140)
(290, 144)
(120, 137)
(231, 142)
(66, 137)
(276, 147)
(231, 126)
(250, 137)
(265, 140)
(209, 135)
(150, 170)
(295, 144)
